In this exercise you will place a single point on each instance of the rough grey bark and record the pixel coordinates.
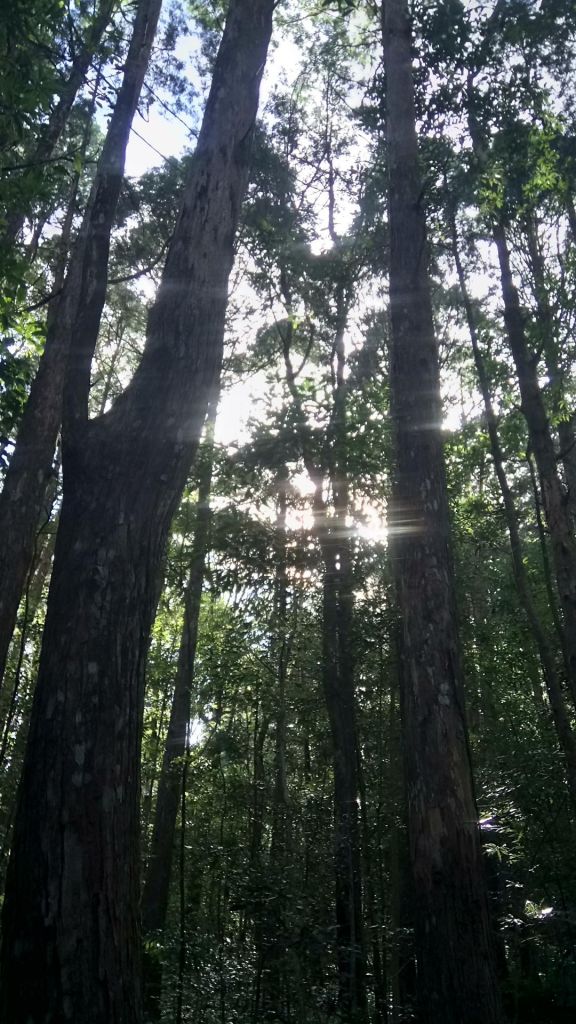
(71, 936)
(74, 318)
(560, 716)
(454, 944)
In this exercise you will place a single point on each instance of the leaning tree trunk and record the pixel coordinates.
(71, 936)
(556, 373)
(77, 317)
(456, 964)
(554, 495)
(560, 716)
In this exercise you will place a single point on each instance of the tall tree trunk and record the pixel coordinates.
(338, 684)
(456, 963)
(274, 980)
(157, 883)
(159, 871)
(379, 983)
(338, 666)
(339, 687)
(71, 942)
(402, 954)
(77, 317)
(258, 906)
(283, 646)
(561, 718)
(556, 508)
(545, 319)
(554, 495)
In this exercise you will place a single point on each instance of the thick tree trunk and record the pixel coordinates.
(71, 943)
(77, 317)
(556, 508)
(561, 718)
(456, 963)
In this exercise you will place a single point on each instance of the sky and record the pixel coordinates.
(162, 134)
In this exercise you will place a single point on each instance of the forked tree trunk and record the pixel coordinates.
(71, 936)
(77, 317)
(454, 945)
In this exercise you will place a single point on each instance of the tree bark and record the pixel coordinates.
(77, 316)
(338, 685)
(339, 688)
(156, 889)
(71, 936)
(157, 884)
(554, 495)
(545, 320)
(456, 964)
(560, 716)
(338, 663)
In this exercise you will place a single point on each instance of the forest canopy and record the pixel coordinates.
(288, 511)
